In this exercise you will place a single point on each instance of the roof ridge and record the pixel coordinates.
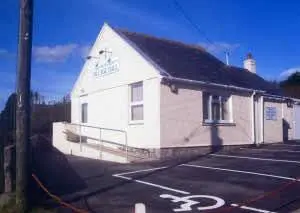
(242, 69)
(191, 61)
(194, 46)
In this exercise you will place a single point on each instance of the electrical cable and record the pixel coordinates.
(265, 195)
(195, 26)
(56, 198)
(286, 204)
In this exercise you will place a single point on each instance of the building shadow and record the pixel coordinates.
(216, 146)
(216, 140)
(53, 170)
(285, 130)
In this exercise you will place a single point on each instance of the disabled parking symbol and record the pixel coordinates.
(189, 201)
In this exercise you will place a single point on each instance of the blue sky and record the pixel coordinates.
(65, 29)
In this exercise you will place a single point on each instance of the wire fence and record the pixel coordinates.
(44, 111)
(37, 98)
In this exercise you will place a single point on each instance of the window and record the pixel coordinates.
(216, 108)
(136, 102)
(84, 111)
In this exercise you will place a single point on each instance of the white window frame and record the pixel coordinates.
(82, 113)
(135, 103)
(209, 109)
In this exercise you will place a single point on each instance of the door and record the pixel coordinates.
(297, 122)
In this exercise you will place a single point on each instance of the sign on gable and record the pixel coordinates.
(108, 67)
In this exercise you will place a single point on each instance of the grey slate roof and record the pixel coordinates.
(194, 63)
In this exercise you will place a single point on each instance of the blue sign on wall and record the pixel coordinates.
(270, 113)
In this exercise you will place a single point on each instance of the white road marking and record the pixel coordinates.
(120, 175)
(253, 158)
(152, 184)
(282, 144)
(272, 150)
(143, 170)
(251, 208)
(188, 201)
(240, 171)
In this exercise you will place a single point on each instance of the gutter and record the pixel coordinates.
(252, 107)
(278, 97)
(204, 83)
(183, 80)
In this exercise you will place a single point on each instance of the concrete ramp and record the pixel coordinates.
(69, 143)
(92, 151)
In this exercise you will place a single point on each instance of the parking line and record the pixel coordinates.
(273, 150)
(143, 170)
(152, 184)
(253, 158)
(240, 171)
(251, 208)
(121, 175)
(282, 144)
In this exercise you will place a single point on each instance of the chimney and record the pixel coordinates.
(250, 63)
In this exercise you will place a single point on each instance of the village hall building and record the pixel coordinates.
(140, 94)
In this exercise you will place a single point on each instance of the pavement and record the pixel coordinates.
(263, 179)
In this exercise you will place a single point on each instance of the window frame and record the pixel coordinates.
(136, 103)
(209, 107)
(82, 120)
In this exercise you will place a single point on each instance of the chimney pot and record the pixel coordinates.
(249, 56)
(250, 63)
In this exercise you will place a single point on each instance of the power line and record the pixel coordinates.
(191, 22)
(197, 28)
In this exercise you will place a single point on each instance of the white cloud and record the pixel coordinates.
(219, 47)
(58, 53)
(84, 50)
(133, 11)
(285, 74)
(3, 51)
(52, 83)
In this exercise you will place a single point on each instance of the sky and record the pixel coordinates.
(64, 30)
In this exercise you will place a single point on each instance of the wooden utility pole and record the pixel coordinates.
(23, 105)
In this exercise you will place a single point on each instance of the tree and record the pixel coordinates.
(291, 86)
(66, 99)
(292, 80)
(7, 132)
(36, 97)
(7, 120)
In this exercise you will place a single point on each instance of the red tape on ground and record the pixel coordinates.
(265, 195)
(56, 198)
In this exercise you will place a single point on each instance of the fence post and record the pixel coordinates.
(126, 144)
(140, 208)
(80, 140)
(10, 168)
(100, 145)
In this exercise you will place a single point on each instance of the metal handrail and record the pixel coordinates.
(101, 128)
